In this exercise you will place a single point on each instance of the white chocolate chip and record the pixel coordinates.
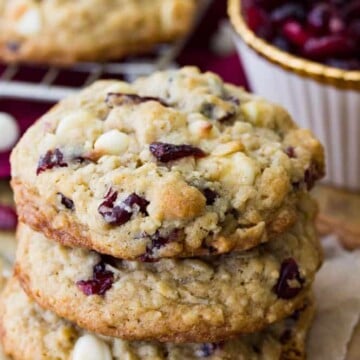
(259, 113)
(72, 121)
(228, 148)
(80, 127)
(90, 347)
(200, 128)
(234, 170)
(113, 142)
(243, 168)
(29, 23)
(250, 110)
(9, 131)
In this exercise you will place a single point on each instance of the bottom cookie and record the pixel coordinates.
(28, 332)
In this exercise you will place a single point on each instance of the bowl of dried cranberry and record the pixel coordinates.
(305, 55)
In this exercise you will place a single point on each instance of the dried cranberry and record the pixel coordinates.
(157, 241)
(290, 152)
(8, 218)
(100, 283)
(319, 18)
(329, 46)
(210, 196)
(289, 272)
(354, 30)
(68, 203)
(312, 174)
(259, 22)
(169, 152)
(295, 33)
(110, 198)
(337, 26)
(136, 200)
(208, 349)
(117, 99)
(53, 158)
(351, 10)
(294, 11)
(121, 214)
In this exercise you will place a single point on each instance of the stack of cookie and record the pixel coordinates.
(165, 219)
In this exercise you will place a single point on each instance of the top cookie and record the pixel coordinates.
(176, 164)
(66, 31)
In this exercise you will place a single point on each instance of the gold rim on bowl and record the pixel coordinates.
(306, 68)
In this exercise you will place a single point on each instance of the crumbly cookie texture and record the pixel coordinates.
(29, 332)
(5, 273)
(176, 164)
(65, 31)
(178, 300)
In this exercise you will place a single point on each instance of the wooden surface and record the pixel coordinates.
(339, 214)
(354, 345)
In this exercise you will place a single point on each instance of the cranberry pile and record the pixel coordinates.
(326, 31)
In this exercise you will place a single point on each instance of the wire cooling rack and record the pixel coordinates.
(43, 83)
(36, 82)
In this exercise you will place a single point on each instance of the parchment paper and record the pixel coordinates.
(337, 291)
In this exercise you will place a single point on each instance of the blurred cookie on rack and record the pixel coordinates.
(65, 31)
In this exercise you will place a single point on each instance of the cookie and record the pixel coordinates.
(65, 31)
(5, 273)
(178, 164)
(29, 332)
(178, 300)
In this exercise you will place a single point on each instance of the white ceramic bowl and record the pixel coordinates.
(319, 97)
